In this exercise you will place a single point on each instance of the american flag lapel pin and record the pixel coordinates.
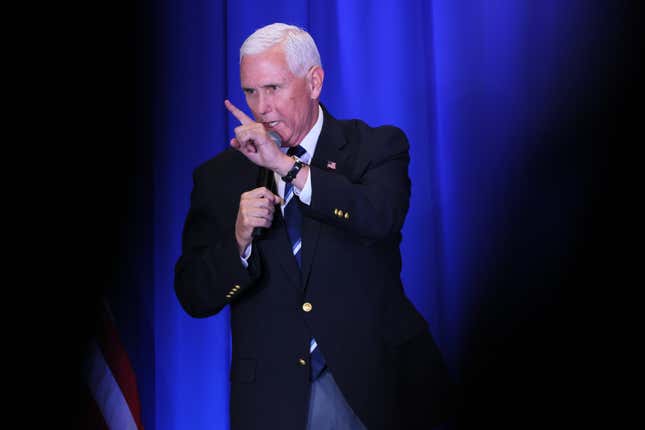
(331, 165)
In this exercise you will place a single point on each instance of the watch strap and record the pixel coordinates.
(293, 172)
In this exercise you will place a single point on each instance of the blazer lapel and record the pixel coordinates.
(276, 247)
(328, 149)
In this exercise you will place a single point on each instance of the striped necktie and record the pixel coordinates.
(292, 214)
(293, 221)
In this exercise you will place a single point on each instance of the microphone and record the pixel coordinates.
(264, 177)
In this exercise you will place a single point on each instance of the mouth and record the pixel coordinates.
(271, 124)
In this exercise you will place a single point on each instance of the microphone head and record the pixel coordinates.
(275, 137)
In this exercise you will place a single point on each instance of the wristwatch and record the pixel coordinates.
(291, 174)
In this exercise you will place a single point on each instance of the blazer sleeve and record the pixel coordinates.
(209, 274)
(373, 200)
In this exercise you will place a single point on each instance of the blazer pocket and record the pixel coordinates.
(243, 370)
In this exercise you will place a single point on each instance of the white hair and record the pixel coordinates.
(299, 47)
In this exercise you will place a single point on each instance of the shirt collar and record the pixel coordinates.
(310, 140)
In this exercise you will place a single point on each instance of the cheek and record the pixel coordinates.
(286, 109)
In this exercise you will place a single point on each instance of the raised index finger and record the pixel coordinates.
(241, 116)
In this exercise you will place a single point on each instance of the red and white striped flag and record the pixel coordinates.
(111, 380)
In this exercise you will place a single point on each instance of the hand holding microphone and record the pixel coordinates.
(257, 206)
(264, 179)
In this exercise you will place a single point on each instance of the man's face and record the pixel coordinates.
(281, 101)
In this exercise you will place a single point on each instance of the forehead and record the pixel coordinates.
(265, 68)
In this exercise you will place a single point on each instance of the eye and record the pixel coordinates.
(249, 91)
(272, 87)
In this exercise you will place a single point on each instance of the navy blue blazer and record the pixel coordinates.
(377, 346)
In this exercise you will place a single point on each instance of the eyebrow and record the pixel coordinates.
(263, 86)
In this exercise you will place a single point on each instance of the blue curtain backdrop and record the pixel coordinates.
(485, 91)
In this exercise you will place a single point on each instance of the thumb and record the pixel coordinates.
(277, 200)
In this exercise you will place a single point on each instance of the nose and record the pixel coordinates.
(265, 104)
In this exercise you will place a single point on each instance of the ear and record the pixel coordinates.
(315, 78)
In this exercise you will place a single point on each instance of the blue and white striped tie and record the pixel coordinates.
(293, 220)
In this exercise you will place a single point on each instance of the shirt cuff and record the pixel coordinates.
(246, 254)
(305, 194)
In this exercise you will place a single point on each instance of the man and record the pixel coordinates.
(323, 335)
